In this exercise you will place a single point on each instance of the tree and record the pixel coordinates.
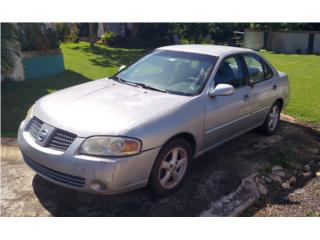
(91, 34)
(285, 26)
(154, 34)
(193, 32)
(8, 43)
(221, 33)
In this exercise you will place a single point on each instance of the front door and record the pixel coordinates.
(227, 116)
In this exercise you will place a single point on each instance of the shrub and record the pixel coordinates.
(73, 35)
(108, 37)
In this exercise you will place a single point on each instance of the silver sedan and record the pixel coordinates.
(146, 124)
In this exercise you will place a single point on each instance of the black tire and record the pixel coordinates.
(267, 128)
(184, 148)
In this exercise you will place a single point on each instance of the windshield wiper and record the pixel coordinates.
(146, 86)
(123, 81)
(136, 84)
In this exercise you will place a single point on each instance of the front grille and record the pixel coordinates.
(34, 126)
(61, 140)
(55, 175)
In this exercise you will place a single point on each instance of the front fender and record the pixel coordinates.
(185, 118)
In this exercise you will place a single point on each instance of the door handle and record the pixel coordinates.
(246, 97)
(274, 87)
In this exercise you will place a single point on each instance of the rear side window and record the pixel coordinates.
(231, 71)
(267, 71)
(258, 70)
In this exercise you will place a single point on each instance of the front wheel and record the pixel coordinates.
(171, 167)
(271, 123)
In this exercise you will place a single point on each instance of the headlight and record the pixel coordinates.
(111, 146)
(29, 112)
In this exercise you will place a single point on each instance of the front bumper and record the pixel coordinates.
(86, 173)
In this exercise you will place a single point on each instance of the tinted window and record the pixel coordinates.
(258, 70)
(267, 71)
(230, 72)
(255, 68)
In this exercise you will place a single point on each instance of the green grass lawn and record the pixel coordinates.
(84, 64)
(304, 77)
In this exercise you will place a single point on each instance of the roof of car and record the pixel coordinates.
(214, 50)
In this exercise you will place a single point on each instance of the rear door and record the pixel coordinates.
(227, 116)
(262, 80)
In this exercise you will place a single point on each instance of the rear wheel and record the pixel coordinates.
(171, 167)
(271, 123)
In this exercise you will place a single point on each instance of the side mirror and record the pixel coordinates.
(221, 90)
(122, 67)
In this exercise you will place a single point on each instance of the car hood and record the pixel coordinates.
(104, 107)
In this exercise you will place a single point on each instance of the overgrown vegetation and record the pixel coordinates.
(108, 37)
(284, 158)
(73, 35)
(37, 37)
(156, 34)
(67, 33)
(8, 44)
(285, 26)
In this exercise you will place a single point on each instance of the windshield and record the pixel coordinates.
(170, 71)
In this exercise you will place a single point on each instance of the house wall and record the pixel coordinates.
(117, 28)
(253, 39)
(316, 46)
(284, 42)
(289, 42)
(100, 30)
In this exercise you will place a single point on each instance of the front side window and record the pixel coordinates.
(230, 72)
(172, 71)
(258, 70)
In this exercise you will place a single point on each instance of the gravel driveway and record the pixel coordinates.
(214, 175)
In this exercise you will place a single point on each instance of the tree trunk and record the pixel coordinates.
(91, 37)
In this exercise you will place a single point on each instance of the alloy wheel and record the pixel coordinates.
(173, 167)
(273, 118)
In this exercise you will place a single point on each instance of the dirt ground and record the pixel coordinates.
(214, 175)
(301, 201)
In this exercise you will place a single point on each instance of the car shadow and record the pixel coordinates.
(213, 175)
